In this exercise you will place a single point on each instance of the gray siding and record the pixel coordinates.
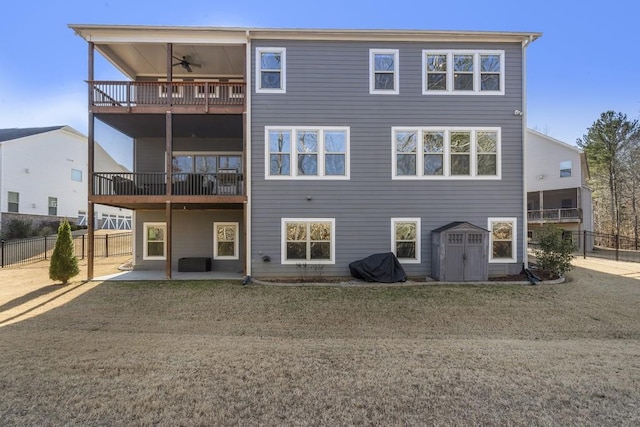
(192, 237)
(328, 85)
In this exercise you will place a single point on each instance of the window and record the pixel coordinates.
(225, 240)
(308, 241)
(503, 239)
(383, 71)
(13, 201)
(463, 72)
(177, 91)
(205, 163)
(307, 153)
(203, 88)
(155, 240)
(271, 70)
(53, 206)
(76, 175)
(565, 169)
(405, 239)
(451, 153)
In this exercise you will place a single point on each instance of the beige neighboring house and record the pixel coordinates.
(556, 185)
(43, 177)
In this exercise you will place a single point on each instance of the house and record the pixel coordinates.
(557, 191)
(43, 173)
(276, 151)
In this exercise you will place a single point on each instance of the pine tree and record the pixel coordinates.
(64, 264)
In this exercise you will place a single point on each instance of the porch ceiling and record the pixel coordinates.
(183, 125)
(139, 60)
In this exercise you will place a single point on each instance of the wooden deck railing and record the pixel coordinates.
(154, 184)
(555, 215)
(136, 94)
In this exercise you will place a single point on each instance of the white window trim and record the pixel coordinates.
(321, 153)
(236, 245)
(446, 153)
(145, 247)
(490, 222)
(213, 95)
(78, 171)
(476, 72)
(570, 168)
(175, 94)
(283, 70)
(283, 238)
(417, 259)
(236, 95)
(396, 72)
(15, 203)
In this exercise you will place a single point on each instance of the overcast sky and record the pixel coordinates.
(587, 61)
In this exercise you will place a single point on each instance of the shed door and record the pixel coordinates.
(474, 259)
(465, 257)
(454, 257)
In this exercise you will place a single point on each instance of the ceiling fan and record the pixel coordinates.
(185, 63)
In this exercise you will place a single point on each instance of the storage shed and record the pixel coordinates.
(460, 253)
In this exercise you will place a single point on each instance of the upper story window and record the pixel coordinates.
(76, 175)
(437, 153)
(565, 169)
(177, 90)
(405, 239)
(53, 206)
(383, 71)
(271, 70)
(463, 72)
(13, 201)
(307, 153)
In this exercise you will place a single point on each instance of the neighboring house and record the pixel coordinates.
(277, 151)
(43, 173)
(557, 191)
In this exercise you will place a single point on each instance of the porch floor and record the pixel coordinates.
(175, 275)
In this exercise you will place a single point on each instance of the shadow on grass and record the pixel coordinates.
(31, 296)
(28, 297)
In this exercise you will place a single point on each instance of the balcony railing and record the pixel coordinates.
(555, 215)
(222, 183)
(139, 94)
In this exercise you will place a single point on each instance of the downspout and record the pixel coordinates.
(247, 180)
(525, 227)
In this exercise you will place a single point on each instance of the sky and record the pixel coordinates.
(586, 62)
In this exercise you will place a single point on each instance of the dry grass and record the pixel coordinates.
(196, 353)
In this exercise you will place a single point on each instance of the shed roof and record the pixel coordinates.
(458, 224)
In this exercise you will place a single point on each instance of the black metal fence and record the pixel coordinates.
(33, 249)
(589, 244)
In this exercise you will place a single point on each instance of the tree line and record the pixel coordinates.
(612, 147)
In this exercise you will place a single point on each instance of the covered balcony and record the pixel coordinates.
(554, 206)
(135, 190)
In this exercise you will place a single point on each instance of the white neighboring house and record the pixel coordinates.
(556, 187)
(43, 177)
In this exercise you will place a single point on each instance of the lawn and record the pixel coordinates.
(197, 353)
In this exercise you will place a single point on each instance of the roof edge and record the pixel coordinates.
(97, 33)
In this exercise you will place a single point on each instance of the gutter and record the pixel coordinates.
(248, 179)
(525, 227)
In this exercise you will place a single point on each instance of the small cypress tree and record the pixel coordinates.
(64, 264)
